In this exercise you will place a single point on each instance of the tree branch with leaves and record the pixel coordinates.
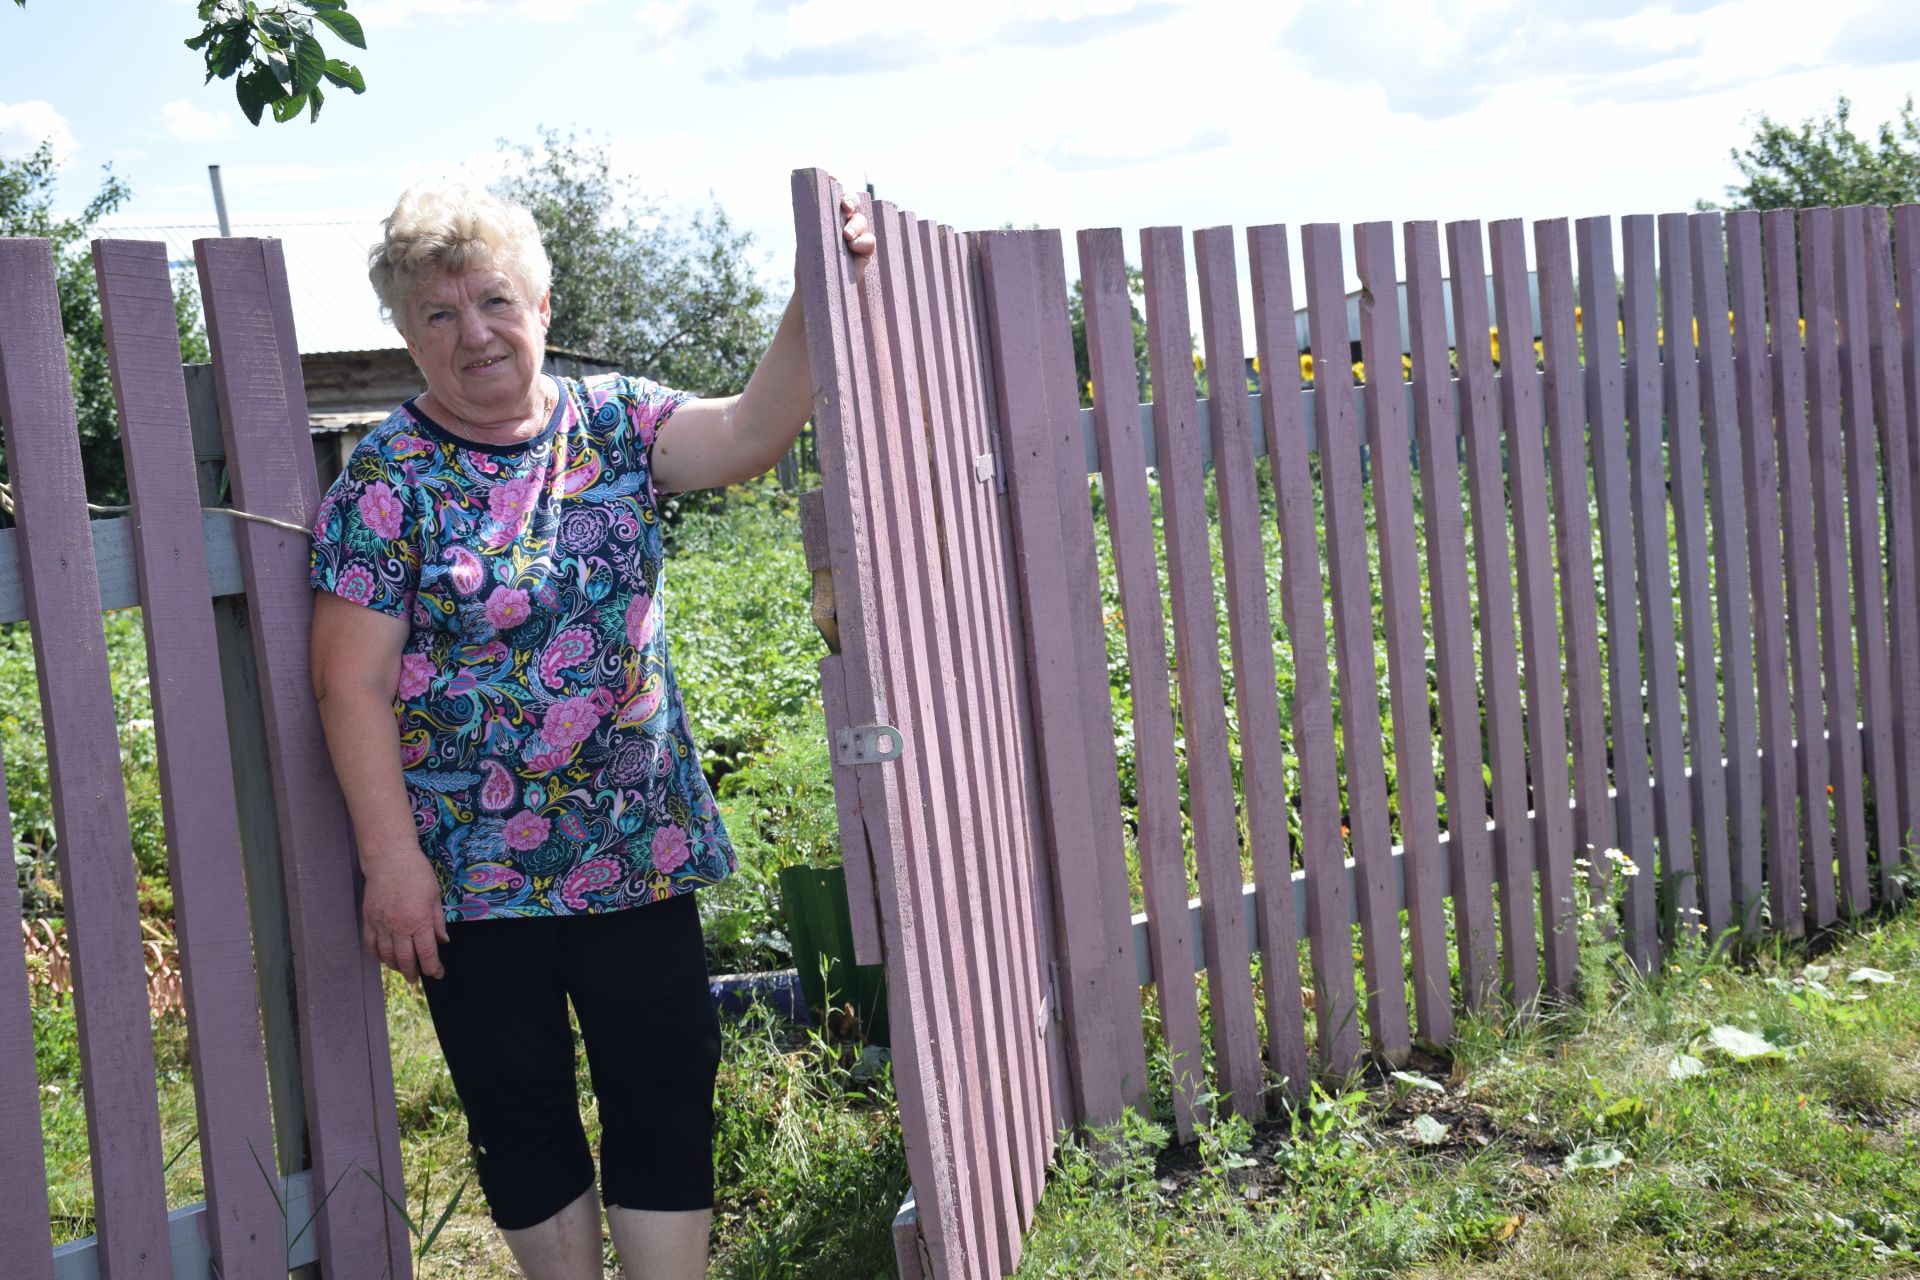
(274, 50)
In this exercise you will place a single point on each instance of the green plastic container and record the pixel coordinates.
(821, 930)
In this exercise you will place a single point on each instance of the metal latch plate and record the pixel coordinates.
(868, 744)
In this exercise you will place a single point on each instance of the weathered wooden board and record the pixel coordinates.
(95, 849)
(1760, 464)
(1400, 591)
(1322, 855)
(1614, 487)
(1499, 649)
(1733, 584)
(1813, 764)
(1345, 513)
(1830, 546)
(1469, 848)
(1539, 628)
(1123, 486)
(1196, 632)
(196, 781)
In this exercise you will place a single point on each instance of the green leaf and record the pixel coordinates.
(1685, 1066)
(201, 39)
(314, 99)
(1879, 977)
(317, 5)
(345, 75)
(288, 107)
(344, 25)
(1595, 1156)
(227, 55)
(1817, 972)
(255, 90)
(1418, 1082)
(281, 68)
(309, 63)
(1428, 1131)
(1741, 1046)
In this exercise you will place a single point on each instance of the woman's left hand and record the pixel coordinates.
(855, 231)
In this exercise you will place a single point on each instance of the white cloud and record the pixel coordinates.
(187, 123)
(25, 125)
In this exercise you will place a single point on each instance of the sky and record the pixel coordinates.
(1060, 113)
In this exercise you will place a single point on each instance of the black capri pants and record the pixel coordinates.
(638, 982)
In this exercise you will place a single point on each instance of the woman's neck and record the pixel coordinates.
(530, 421)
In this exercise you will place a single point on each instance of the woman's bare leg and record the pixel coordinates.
(564, 1247)
(654, 1245)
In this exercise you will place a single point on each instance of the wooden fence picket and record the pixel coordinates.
(1340, 491)
(1123, 488)
(1761, 469)
(1707, 891)
(1727, 499)
(1322, 852)
(1566, 401)
(1255, 679)
(25, 1224)
(1499, 649)
(354, 1137)
(1861, 466)
(1400, 592)
(95, 847)
(1615, 488)
(1814, 761)
(196, 780)
(1210, 799)
(1830, 544)
(1469, 848)
(1878, 703)
(1903, 534)
(1023, 274)
(1539, 629)
(1646, 413)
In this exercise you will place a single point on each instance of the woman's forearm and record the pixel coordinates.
(779, 395)
(364, 740)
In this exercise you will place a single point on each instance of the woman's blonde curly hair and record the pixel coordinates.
(453, 227)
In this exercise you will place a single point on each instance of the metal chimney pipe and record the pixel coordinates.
(219, 199)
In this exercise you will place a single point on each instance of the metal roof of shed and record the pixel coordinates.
(333, 305)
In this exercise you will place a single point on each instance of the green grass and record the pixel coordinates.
(1804, 1163)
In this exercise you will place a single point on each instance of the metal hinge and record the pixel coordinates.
(868, 744)
(987, 468)
(1050, 1003)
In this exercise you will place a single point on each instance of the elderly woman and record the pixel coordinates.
(491, 667)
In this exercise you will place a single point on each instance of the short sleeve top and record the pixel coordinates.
(548, 759)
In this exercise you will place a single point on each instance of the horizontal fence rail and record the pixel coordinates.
(1619, 624)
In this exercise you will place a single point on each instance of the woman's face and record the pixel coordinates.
(480, 342)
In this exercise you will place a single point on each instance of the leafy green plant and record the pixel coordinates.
(275, 51)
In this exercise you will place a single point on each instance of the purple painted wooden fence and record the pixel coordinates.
(350, 1126)
(1706, 725)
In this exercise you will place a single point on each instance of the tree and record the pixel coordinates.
(1824, 162)
(278, 47)
(674, 299)
(1077, 318)
(26, 209)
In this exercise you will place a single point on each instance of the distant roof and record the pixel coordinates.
(333, 305)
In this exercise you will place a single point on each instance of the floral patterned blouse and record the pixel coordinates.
(547, 754)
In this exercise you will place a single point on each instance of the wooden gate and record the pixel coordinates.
(260, 861)
(1691, 563)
